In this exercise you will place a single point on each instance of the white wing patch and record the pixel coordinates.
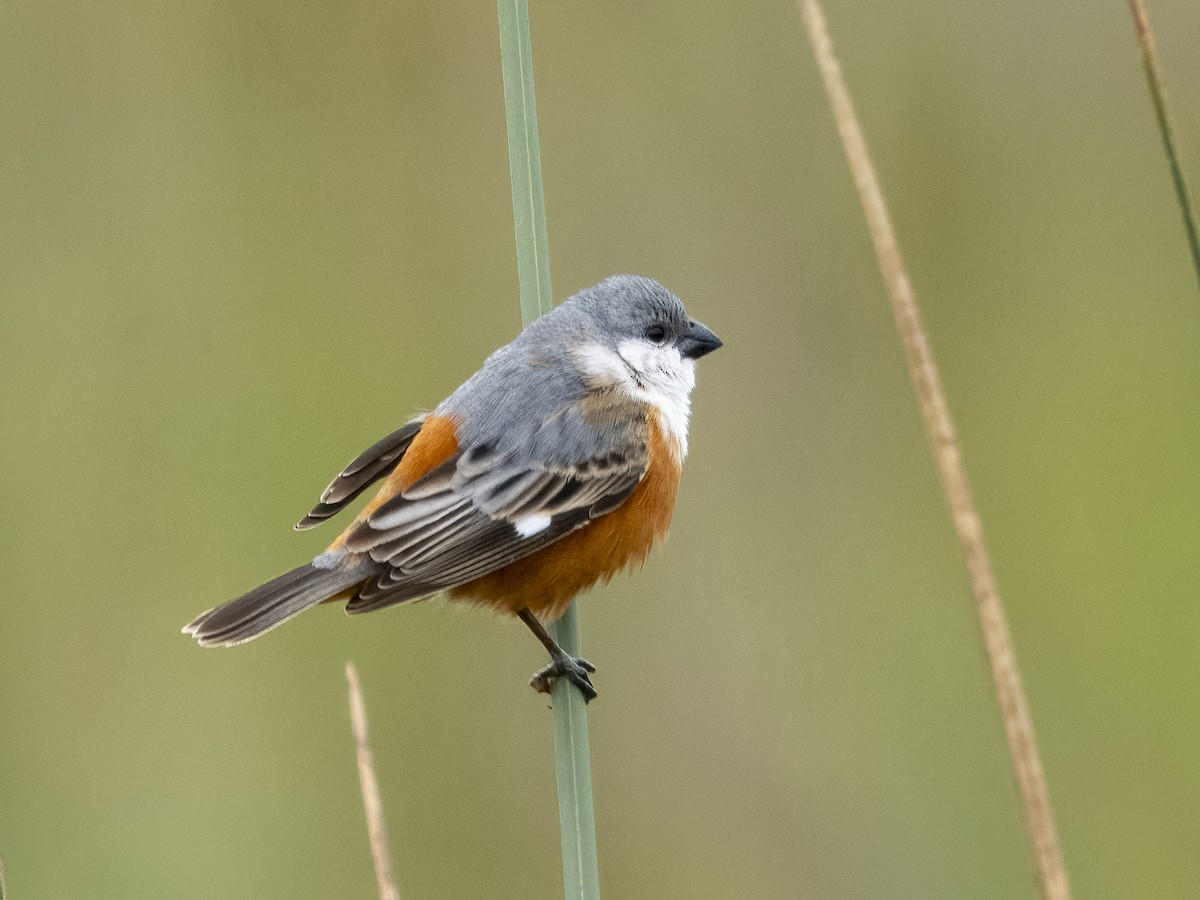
(528, 526)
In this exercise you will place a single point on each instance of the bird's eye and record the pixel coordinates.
(656, 333)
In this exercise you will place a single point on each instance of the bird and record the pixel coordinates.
(551, 469)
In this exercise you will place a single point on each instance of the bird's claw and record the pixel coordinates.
(575, 668)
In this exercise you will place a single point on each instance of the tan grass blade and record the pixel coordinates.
(372, 804)
(935, 413)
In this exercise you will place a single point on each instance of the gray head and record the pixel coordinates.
(627, 334)
(627, 309)
(632, 335)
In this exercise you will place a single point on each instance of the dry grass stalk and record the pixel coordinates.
(372, 803)
(1014, 708)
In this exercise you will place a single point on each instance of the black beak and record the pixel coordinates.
(697, 341)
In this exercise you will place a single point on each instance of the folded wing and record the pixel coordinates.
(481, 510)
(364, 470)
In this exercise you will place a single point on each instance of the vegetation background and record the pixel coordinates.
(240, 242)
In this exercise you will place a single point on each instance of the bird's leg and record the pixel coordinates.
(562, 663)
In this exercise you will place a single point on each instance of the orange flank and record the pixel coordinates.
(435, 443)
(546, 581)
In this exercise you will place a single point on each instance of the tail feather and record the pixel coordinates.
(270, 605)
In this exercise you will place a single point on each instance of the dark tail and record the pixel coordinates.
(270, 605)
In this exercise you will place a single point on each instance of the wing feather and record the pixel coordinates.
(457, 523)
(360, 473)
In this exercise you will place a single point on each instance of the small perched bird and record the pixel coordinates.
(553, 467)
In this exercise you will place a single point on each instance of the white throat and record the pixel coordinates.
(659, 376)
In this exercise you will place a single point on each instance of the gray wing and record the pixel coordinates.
(363, 471)
(486, 508)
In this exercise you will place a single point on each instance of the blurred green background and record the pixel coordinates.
(240, 242)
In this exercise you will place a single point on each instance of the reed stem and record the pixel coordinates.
(581, 878)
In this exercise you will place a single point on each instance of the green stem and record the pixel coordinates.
(1158, 95)
(573, 767)
(525, 160)
(581, 878)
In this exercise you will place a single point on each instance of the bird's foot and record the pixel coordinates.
(575, 668)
